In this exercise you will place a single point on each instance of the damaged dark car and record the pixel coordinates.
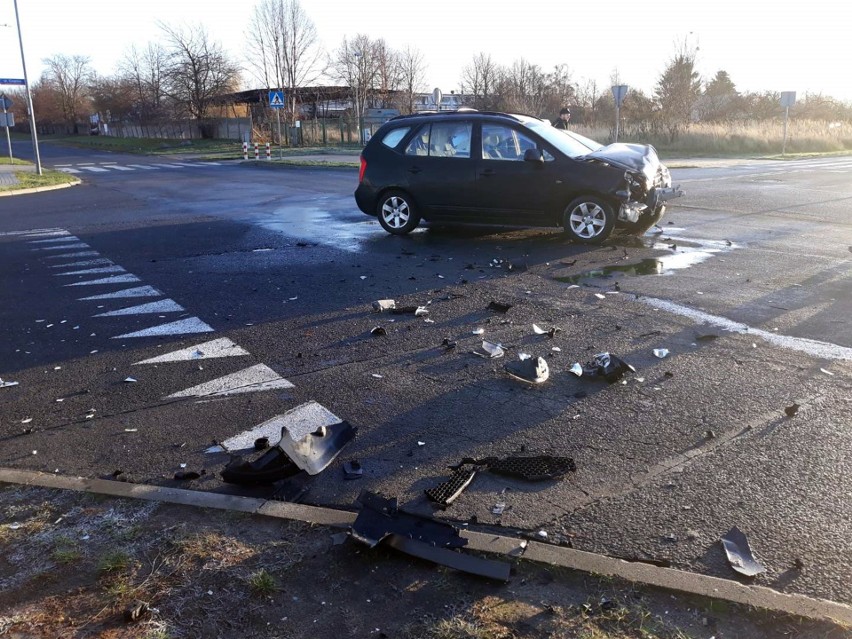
(469, 166)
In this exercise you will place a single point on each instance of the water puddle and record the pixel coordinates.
(684, 253)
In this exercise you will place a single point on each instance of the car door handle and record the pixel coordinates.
(487, 173)
(414, 169)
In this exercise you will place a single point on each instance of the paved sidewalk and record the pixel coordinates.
(7, 172)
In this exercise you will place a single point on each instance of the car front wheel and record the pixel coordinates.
(396, 213)
(588, 220)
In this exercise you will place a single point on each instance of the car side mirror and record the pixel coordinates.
(533, 155)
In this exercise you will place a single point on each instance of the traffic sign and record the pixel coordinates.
(618, 92)
(18, 81)
(5, 103)
(7, 119)
(788, 98)
(276, 99)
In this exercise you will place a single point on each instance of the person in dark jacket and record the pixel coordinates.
(564, 117)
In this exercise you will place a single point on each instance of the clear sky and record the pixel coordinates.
(803, 47)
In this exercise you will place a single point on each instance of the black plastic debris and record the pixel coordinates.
(791, 411)
(186, 475)
(608, 366)
(536, 468)
(352, 469)
(272, 466)
(261, 443)
(404, 310)
(448, 343)
(533, 370)
(500, 307)
(739, 553)
(378, 331)
(380, 520)
(445, 493)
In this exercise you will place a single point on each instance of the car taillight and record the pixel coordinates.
(363, 168)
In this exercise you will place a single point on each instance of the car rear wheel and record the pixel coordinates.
(588, 220)
(396, 213)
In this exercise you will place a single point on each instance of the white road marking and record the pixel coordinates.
(825, 350)
(115, 279)
(101, 261)
(54, 240)
(35, 233)
(93, 271)
(180, 327)
(222, 347)
(210, 163)
(300, 421)
(251, 380)
(118, 167)
(166, 166)
(138, 291)
(160, 306)
(63, 247)
(69, 170)
(94, 169)
(68, 255)
(143, 166)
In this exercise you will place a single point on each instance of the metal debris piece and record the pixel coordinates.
(384, 305)
(541, 534)
(421, 310)
(378, 330)
(130, 380)
(538, 330)
(739, 553)
(533, 370)
(822, 370)
(498, 508)
(478, 331)
(352, 469)
(661, 352)
(315, 451)
(577, 369)
(445, 493)
(7, 384)
(600, 296)
(791, 411)
(500, 307)
(551, 332)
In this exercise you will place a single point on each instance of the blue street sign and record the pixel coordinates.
(276, 99)
(19, 81)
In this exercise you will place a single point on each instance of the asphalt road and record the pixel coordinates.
(282, 264)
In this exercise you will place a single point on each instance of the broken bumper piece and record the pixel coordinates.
(444, 494)
(380, 520)
(533, 370)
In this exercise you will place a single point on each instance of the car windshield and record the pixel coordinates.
(571, 144)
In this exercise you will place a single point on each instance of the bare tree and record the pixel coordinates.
(356, 63)
(198, 69)
(284, 49)
(480, 79)
(145, 74)
(525, 88)
(388, 71)
(69, 77)
(412, 75)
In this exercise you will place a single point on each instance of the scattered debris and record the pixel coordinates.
(492, 350)
(378, 331)
(135, 611)
(478, 331)
(533, 370)
(380, 520)
(384, 305)
(551, 332)
(7, 384)
(404, 310)
(600, 296)
(822, 370)
(500, 307)
(352, 469)
(739, 553)
(448, 344)
(532, 468)
(605, 365)
(791, 411)
(421, 310)
(377, 376)
(129, 380)
(186, 475)
(541, 534)
(661, 352)
(26, 420)
(710, 434)
(261, 443)
(577, 369)
(498, 508)
(445, 493)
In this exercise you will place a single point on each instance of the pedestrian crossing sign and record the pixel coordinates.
(276, 99)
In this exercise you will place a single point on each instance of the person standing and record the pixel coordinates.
(564, 117)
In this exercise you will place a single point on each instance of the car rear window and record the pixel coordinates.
(393, 137)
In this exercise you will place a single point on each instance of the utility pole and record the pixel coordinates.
(29, 94)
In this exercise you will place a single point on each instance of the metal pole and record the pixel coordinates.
(784, 144)
(280, 145)
(617, 118)
(5, 117)
(29, 95)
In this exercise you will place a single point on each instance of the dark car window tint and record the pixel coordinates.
(503, 143)
(393, 137)
(450, 139)
(419, 144)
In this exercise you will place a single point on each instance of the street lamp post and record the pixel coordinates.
(358, 57)
(29, 95)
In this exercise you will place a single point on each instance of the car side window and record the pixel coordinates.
(504, 143)
(450, 139)
(393, 137)
(419, 144)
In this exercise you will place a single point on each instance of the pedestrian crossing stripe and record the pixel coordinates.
(250, 380)
(94, 271)
(136, 291)
(222, 347)
(180, 327)
(115, 279)
(160, 306)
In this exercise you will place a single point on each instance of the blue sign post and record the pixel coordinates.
(276, 101)
(17, 81)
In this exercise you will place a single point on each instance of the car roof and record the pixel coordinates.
(462, 113)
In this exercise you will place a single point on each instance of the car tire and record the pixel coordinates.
(588, 220)
(397, 213)
(645, 222)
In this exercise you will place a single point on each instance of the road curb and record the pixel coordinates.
(40, 189)
(646, 574)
